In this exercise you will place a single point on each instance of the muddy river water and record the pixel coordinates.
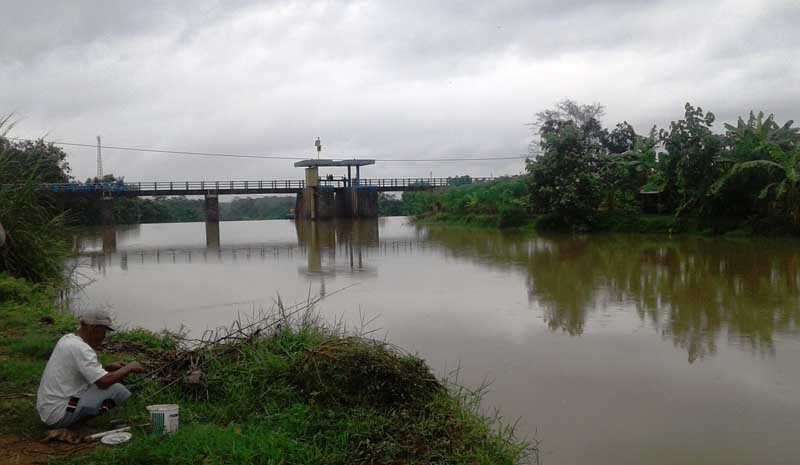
(610, 349)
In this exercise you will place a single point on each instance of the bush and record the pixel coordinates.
(355, 371)
(13, 290)
(511, 216)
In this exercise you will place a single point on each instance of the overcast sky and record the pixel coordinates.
(400, 79)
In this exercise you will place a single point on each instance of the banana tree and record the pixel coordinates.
(757, 138)
(763, 178)
(784, 195)
(624, 174)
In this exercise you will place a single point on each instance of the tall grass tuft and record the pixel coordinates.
(34, 246)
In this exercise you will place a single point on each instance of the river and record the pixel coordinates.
(610, 349)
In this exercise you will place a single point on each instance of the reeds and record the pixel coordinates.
(34, 247)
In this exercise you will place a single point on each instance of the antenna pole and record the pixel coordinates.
(99, 161)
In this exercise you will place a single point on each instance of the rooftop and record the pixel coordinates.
(323, 162)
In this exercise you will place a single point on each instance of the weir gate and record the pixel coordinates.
(319, 196)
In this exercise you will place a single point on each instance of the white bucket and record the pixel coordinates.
(164, 418)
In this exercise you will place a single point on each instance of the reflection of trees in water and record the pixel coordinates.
(693, 290)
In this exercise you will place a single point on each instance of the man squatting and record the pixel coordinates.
(74, 385)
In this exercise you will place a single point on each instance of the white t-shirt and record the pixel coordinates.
(71, 370)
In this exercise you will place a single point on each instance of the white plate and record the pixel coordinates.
(116, 438)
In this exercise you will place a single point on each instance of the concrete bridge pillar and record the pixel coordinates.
(107, 210)
(305, 207)
(212, 208)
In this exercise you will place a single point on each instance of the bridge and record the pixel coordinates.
(173, 188)
(318, 197)
(360, 195)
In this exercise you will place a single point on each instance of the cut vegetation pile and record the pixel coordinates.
(352, 371)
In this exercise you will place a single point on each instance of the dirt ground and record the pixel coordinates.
(15, 450)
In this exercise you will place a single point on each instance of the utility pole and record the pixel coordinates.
(99, 161)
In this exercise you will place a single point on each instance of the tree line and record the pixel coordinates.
(580, 174)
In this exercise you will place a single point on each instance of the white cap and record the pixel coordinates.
(98, 317)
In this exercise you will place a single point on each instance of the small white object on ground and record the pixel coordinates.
(116, 438)
(106, 433)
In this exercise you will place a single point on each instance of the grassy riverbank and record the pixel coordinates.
(618, 223)
(286, 390)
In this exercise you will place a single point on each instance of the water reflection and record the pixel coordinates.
(694, 291)
(212, 235)
(349, 239)
(109, 240)
(320, 242)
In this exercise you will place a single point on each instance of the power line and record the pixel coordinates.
(267, 157)
(169, 152)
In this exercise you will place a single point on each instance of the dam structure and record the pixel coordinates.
(335, 197)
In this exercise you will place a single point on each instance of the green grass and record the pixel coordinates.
(16, 374)
(215, 444)
(36, 346)
(18, 417)
(142, 340)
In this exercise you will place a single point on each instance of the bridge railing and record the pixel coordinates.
(173, 187)
(407, 182)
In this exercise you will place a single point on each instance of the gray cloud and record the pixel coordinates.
(412, 79)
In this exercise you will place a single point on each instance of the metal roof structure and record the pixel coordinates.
(323, 162)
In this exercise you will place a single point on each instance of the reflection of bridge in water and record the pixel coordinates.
(328, 247)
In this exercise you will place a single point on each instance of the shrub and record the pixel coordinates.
(511, 216)
(354, 371)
